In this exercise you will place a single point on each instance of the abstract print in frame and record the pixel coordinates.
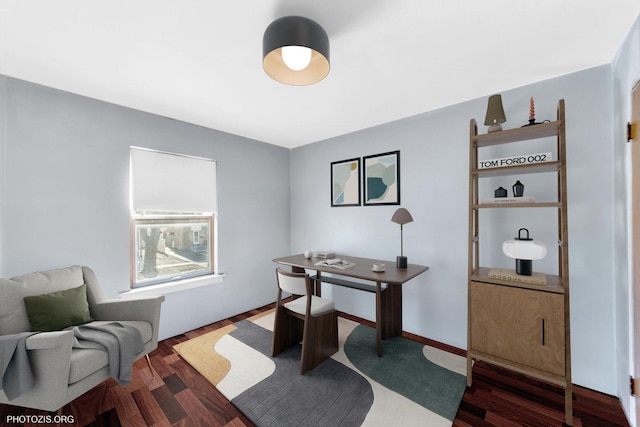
(382, 179)
(345, 183)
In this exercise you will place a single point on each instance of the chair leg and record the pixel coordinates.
(287, 331)
(153, 371)
(320, 340)
(307, 358)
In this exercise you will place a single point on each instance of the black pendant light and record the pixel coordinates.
(295, 51)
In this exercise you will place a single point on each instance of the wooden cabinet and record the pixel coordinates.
(518, 325)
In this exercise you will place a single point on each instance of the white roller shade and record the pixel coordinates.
(165, 182)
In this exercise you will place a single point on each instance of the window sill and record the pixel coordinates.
(176, 286)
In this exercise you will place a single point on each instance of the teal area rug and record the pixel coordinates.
(404, 369)
(411, 384)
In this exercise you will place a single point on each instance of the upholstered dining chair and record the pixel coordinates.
(308, 318)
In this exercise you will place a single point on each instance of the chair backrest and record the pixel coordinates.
(94, 290)
(13, 314)
(294, 283)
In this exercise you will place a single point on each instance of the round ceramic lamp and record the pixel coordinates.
(524, 250)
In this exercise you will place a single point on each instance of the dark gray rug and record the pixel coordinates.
(329, 395)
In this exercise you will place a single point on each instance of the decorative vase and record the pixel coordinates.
(518, 189)
(500, 192)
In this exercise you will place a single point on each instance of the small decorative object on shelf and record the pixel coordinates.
(524, 250)
(500, 192)
(507, 200)
(402, 217)
(532, 115)
(511, 275)
(523, 159)
(495, 114)
(518, 189)
(308, 254)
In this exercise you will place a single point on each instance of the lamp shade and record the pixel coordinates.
(280, 63)
(495, 112)
(402, 217)
(524, 249)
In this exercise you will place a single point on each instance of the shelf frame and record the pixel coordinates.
(517, 205)
(525, 133)
(554, 282)
(554, 166)
(559, 283)
(517, 367)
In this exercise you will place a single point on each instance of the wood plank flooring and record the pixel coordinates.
(179, 396)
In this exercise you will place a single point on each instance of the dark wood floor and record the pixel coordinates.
(179, 396)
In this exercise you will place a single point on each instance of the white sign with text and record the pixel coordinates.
(515, 160)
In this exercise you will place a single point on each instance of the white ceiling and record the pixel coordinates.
(200, 61)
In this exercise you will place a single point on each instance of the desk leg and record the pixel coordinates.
(379, 318)
(391, 302)
(388, 313)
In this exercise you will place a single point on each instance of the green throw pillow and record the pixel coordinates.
(58, 310)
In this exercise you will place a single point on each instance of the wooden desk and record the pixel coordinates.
(388, 299)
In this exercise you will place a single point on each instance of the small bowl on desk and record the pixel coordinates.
(378, 268)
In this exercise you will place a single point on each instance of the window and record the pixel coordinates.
(173, 210)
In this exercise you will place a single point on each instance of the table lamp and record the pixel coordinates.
(402, 217)
(524, 250)
(495, 114)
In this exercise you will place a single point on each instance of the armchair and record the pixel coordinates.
(63, 373)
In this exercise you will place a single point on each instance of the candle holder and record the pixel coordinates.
(532, 115)
(533, 122)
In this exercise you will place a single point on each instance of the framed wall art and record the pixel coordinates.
(382, 179)
(345, 183)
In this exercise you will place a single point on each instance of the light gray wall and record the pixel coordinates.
(434, 167)
(626, 73)
(3, 120)
(66, 166)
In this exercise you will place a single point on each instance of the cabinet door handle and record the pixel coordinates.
(543, 332)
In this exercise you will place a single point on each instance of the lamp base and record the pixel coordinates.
(495, 127)
(401, 261)
(524, 267)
